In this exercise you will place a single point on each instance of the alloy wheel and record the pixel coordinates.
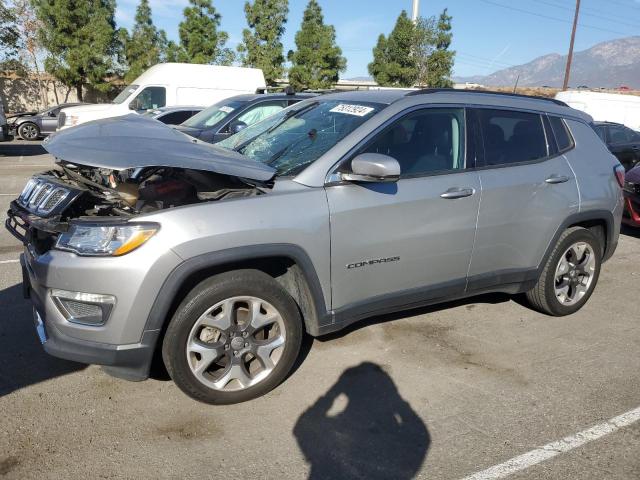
(574, 273)
(29, 132)
(236, 343)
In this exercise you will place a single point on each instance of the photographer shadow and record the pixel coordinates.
(362, 428)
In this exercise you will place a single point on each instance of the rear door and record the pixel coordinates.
(404, 242)
(528, 190)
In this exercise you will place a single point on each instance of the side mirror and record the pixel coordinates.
(373, 167)
(52, 114)
(235, 127)
(135, 104)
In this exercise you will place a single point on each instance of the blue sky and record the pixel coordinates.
(488, 34)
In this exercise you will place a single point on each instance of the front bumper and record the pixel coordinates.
(123, 344)
(130, 361)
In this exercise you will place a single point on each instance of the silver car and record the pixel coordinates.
(219, 258)
(35, 125)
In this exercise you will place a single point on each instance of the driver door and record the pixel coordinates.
(403, 243)
(50, 120)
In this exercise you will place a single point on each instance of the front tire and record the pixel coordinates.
(570, 274)
(234, 337)
(29, 131)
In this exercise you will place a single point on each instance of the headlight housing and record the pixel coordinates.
(630, 187)
(71, 120)
(105, 239)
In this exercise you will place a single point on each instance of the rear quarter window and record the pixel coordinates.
(562, 134)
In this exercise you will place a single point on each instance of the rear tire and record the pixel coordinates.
(234, 337)
(570, 274)
(29, 131)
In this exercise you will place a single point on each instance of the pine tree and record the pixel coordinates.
(145, 47)
(393, 60)
(81, 40)
(261, 46)
(440, 63)
(200, 39)
(9, 38)
(317, 61)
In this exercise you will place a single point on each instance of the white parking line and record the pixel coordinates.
(9, 194)
(9, 261)
(553, 449)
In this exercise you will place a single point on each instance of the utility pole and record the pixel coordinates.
(570, 56)
(414, 11)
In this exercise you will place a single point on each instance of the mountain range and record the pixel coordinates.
(607, 64)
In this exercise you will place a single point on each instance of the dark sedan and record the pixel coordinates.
(34, 125)
(631, 214)
(172, 115)
(231, 115)
(623, 142)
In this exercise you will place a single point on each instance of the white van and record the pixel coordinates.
(605, 107)
(167, 85)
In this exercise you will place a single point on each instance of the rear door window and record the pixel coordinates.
(620, 134)
(512, 136)
(176, 118)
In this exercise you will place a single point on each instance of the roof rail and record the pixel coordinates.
(426, 91)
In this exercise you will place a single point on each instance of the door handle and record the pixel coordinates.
(553, 179)
(457, 192)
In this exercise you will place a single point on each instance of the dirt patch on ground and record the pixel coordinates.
(7, 464)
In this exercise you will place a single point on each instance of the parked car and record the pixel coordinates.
(605, 107)
(221, 257)
(4, 128)
(631, 215)
(35, 125)
(623, 142)
(168, 85)
(223, 119)
(173, 115)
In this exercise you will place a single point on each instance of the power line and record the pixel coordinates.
(603, 17)
(549, 17)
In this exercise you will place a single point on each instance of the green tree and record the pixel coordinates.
(261, 46)
(81, 40)
(424, 46)
(440, 64)
(146, 44)
(200, 39)
(317, 61)
(9, 38)
(393, 61)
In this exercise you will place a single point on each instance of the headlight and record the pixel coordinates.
(630, 187)
(105, 240)
(71, 120)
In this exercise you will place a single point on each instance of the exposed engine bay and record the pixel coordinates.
(143, 190)
(52, 199)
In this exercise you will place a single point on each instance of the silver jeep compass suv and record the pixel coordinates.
(218, 259)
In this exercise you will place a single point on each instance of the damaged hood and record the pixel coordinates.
(135, 141)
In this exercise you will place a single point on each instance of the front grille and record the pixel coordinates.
(80, 309)
(41, 196)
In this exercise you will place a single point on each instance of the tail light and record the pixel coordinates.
(619, 171)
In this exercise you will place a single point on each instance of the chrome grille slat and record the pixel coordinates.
(41, 196)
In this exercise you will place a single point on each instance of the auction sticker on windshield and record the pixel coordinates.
(358, 110)
(226, 109)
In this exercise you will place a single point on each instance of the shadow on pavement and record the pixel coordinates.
(362, 428)
(23, 361)
(18, 149)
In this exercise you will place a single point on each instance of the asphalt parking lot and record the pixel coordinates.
(439, 393)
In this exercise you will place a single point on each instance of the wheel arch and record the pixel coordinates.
(288, 264)
(600, 222)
